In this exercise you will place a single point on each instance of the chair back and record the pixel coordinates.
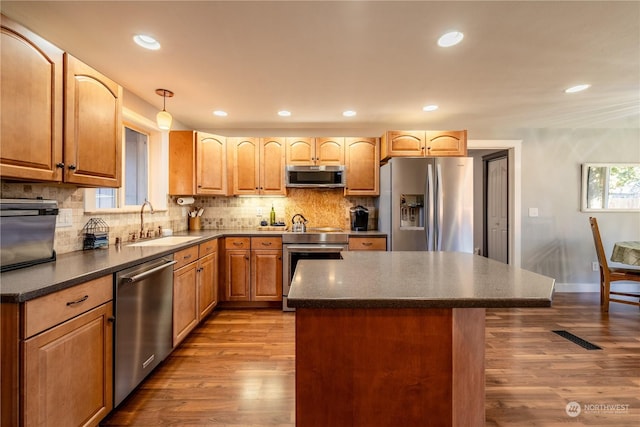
(602, 258)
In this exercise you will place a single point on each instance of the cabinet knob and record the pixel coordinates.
(72, 167)
(60, 165)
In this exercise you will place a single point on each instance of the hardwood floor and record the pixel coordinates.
(237, 369)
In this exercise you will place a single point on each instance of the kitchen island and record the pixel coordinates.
(397, 338)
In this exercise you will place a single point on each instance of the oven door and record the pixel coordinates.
(292, 253)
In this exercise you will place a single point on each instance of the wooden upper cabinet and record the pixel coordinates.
(300, 151)
(424, 144)
(211, 162)
(93, 126)
(362, 161)
(272, 164)
(197, 163)
(315, 151)
(446, 143)
(329, 151)
(397, 143)
(257, 166)
(31, 105)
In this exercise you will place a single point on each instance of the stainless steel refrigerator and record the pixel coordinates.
(427, 204)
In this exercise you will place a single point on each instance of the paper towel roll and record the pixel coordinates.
(185, 201)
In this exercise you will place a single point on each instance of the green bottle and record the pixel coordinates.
(272, 216)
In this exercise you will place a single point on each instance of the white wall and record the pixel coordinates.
(558, 242)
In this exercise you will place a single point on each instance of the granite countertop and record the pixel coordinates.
(77, 267)
(416, 280)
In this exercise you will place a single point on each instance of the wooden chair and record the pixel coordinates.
(611, 274)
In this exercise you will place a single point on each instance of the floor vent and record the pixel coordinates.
(577, 340)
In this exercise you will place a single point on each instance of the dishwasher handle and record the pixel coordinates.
(147, 273)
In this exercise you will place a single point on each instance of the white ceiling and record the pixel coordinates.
(380, 58)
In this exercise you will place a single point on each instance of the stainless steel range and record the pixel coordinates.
(315, 243)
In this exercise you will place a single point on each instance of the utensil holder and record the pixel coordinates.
(194, 223)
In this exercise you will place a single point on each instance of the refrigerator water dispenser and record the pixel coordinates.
(412, 211)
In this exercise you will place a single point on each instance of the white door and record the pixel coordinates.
(497, 210)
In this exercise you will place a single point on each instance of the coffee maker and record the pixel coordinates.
(359, 218)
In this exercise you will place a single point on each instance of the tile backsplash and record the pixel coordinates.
(322, 208)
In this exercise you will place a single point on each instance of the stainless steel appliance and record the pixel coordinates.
(310, 245)
(315, 176)
(427, 204)
(359, 218)
(27, 227)
(143, 325)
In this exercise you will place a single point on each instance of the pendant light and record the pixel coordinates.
(163, 118)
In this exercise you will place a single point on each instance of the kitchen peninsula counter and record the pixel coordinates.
(397, 338)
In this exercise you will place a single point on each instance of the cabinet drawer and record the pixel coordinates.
(266, 243)
(237, 243)
(209, 247)
(185, 256)
(50, 310)
(367, 244)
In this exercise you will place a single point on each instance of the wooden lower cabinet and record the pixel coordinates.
(68, 372)
(367, 243)
(195, 287)
(185, 301)
(207, 284)
(253, 269)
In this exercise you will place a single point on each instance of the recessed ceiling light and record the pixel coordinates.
(220, 113)
(430, 108)
(450, 39)
(577, 88)
(146, 42)
(349, 113)
(284, 113)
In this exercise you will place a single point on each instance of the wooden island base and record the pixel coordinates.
(390, 367)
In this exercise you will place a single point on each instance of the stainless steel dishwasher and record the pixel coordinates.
(143, 307)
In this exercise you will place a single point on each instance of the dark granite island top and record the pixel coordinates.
(416, 279)
(398, 338)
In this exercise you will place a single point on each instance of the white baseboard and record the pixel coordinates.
(594, 287)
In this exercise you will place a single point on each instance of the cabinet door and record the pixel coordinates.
(446, 143)
(182, 162)
(211, 164)
(245, 165)
(93, 126)
(237, 268)
(207, 284)
(300, 151)
(362, 161)
(329, 151)
(31, 105)
(403, 144)
(266, 275)
(272, 164)
(185, 297)
(68, 372)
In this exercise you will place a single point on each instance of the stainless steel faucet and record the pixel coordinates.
(146, 202)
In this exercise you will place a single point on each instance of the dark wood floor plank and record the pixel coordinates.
(237, 369)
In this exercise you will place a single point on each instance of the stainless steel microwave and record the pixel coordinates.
(315, 176)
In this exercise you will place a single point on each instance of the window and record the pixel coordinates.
(610, 187)
(135, 183)
(145, 170)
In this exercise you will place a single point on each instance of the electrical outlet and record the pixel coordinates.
(258, 211)
(595, 266)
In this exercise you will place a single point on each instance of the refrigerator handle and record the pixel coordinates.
(428, 209)
(439, 208)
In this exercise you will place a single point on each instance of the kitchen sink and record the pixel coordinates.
(166, 241)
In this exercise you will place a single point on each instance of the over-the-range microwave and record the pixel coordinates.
(315, 176)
